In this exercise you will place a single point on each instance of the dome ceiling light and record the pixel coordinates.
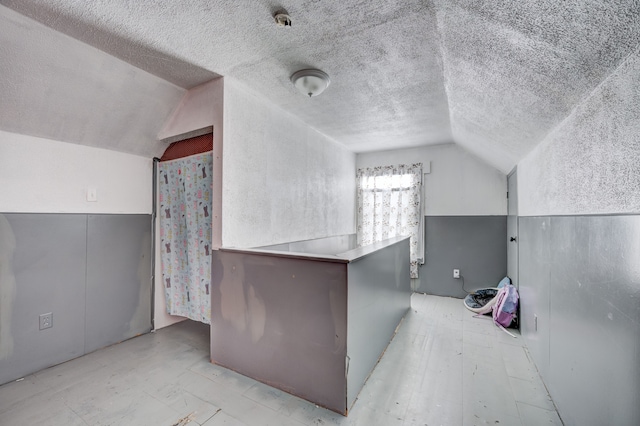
(310, 82)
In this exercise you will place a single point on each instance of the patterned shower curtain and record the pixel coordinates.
(389, 205)
(185, 191)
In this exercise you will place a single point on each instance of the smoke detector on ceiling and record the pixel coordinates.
(282, 19)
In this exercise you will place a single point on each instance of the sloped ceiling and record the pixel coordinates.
(55, 87)
(515, 69)
(494, 77)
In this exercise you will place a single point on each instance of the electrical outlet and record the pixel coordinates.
(46, 321)
(456, 273)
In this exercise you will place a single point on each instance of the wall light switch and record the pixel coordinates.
(92, 194)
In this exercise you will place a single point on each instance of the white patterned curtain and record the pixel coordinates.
(185, 190)
(389, 205)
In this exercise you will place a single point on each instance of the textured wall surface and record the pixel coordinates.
(58, 88)
(458, 184)
(283, 181)
(591, 162)
(580, 276)
(45, 176)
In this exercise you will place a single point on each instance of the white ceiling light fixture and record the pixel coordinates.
(310, 82)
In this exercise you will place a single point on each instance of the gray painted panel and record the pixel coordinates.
(512, 242)
(535, 272)
(595, 312)
(118, 279)
(282, 321)
(512, 228)
(45, 271)
(473, 244)
(593, 289)
(379, 297)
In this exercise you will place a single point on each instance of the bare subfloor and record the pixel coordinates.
(444, 367)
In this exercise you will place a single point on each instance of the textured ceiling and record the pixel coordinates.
(494, 77)
(515, 69)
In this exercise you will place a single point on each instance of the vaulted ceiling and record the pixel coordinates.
(492, 76)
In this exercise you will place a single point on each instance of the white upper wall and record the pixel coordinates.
(590, 164)
(201, 106)
(459, 183)
(283, 180)
(45, 176)
(198, 108)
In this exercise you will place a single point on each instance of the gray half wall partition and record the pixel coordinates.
(308, 324)
(379, 287)
(580, 276)
(474, 244)
(92, 272)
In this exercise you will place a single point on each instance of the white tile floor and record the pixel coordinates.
(444, 367)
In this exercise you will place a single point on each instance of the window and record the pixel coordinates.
(389, 205)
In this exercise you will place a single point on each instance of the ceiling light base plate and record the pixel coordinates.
(310, 82)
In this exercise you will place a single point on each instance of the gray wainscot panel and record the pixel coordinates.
(535, 279)
(512, 249)
(42, 270)
(473, 244)
(512, 228)
(585, 270)
(93, 273)
(118, 279)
